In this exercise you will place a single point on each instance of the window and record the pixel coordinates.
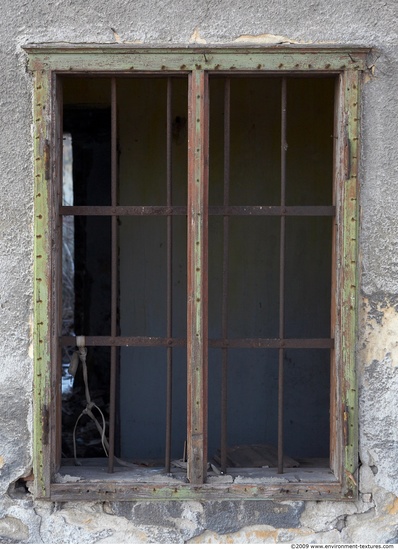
(210, 223)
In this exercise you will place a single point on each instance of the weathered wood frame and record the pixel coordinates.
(47, 63)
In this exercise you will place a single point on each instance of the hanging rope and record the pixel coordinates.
(90, 405)
(81, 354)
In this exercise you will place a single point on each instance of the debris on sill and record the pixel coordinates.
(247, 480)
(58, 478)
(180, 463)
(217, 479)
(255, 456)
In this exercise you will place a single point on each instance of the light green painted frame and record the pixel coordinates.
(46, 62)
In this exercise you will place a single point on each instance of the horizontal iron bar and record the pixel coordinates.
(213, 210)
(121, 341)
(123, 210)
(274, 343)
(272, 210)
(153, 341)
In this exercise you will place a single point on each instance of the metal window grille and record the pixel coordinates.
(198, 211)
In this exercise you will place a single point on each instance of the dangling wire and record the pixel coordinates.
(82, 355)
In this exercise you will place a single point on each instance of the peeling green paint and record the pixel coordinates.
(42, 360)
(99, 58)
(349, 290)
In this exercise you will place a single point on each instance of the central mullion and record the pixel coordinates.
(197, 310)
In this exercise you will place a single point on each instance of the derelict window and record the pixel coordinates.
(269, 256)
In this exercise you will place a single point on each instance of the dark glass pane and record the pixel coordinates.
(254, 141)
(142, 138)
(308, 277)
(252, 397)
(310, 114)
(306, 403)
(253, 277)
(143, 403)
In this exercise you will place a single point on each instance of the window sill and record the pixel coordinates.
(91, 481)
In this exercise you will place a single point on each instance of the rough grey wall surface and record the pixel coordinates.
(375, 517)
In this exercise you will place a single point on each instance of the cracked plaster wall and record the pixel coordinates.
(374, 518)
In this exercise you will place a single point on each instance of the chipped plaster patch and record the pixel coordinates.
(196, 38)
(380, 335)
(116, 36)
(118, 39)
(255, 534)
(13, 529)
(392, 509)
(261, 534)
(265, 39)
(1, 462)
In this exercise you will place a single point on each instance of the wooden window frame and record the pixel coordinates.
(47, 63)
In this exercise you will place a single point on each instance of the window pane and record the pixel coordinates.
(253, 277)
(86, 287)
(310, 113)
(87, 120)
(143, 276)
(252, 397)
(143, 403)
(254, 141)
(142, 134)
(306, 403)
(308, 277)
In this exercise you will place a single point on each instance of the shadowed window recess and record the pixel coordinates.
(145, 261)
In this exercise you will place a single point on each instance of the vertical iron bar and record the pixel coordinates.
(224, 375)
(169, 382)
(114, 285)
(282, 277)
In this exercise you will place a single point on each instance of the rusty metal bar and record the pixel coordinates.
(213, 211)
(282, 277)
(124, 211)
(274, 343)
(114, 277)
(197, 291)
(224, 321)
(121, 341)
(169, 306)
(272, 211)
(151, 341)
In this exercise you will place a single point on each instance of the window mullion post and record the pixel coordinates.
(349, 279)
(197, 337)
(42, 293)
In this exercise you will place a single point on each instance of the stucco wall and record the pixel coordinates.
(374, 518)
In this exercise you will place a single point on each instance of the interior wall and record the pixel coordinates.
(253, 262)
(253, 255)
(143, 256)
